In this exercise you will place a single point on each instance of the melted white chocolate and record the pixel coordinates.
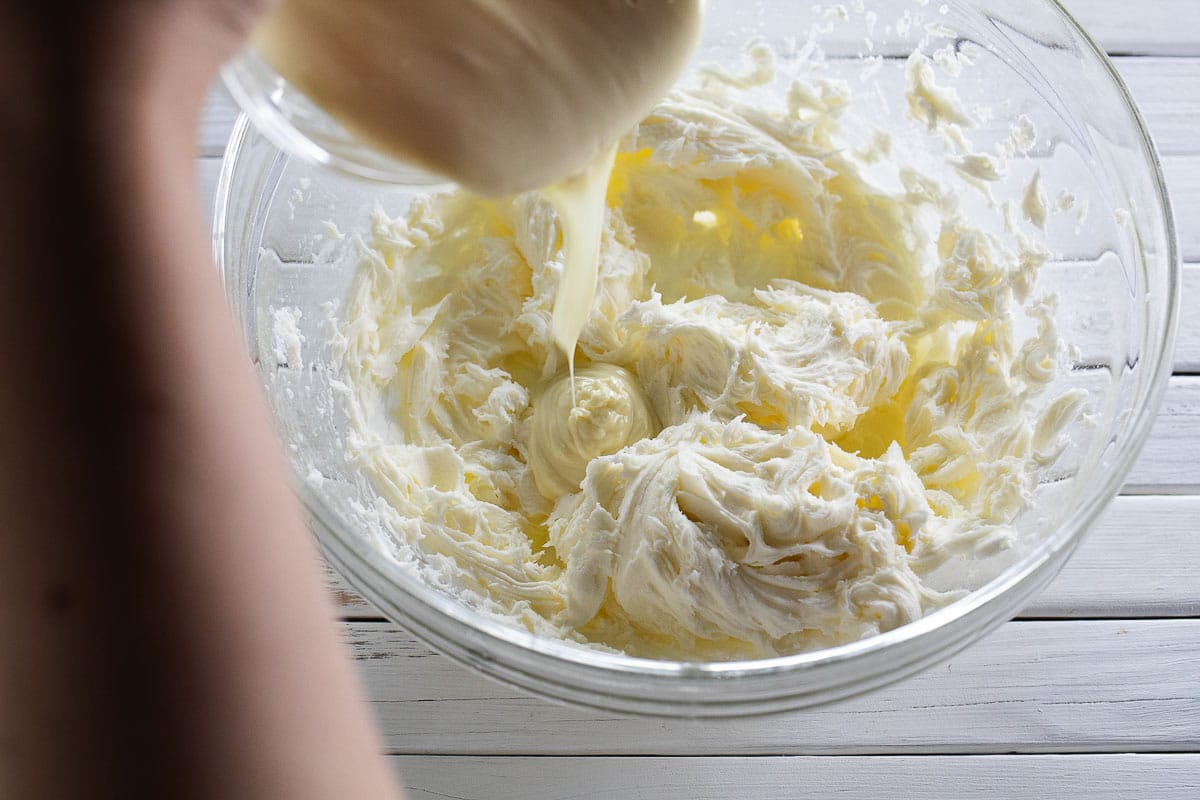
(579, 201)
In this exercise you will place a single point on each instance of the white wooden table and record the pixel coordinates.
(1093, 692)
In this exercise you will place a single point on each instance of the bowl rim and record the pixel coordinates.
(492, 633)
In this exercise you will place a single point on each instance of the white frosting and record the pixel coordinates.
(598, 412)
(934, 105)
(800, 395)
(717, 532)
(1034, 204)
(289, 341)
(1023, 135)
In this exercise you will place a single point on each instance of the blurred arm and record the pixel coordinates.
(163, 628)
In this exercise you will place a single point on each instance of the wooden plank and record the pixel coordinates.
(1151, 27)
(220, 112)
(1187, 342)
(1183, 185)
(208, 170)
(1138, 561)
(1167, 91)
(1071, 777)
(1170, 461)
(1030, 687)
(349, 603)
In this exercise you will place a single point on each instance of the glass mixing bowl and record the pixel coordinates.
(1116, 273)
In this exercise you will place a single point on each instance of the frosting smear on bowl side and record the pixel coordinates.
(802, 392)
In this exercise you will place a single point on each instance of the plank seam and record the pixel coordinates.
(1116, 750)
(1178, 756)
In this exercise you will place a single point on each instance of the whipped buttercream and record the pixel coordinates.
(799, 396)
(598, 411)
